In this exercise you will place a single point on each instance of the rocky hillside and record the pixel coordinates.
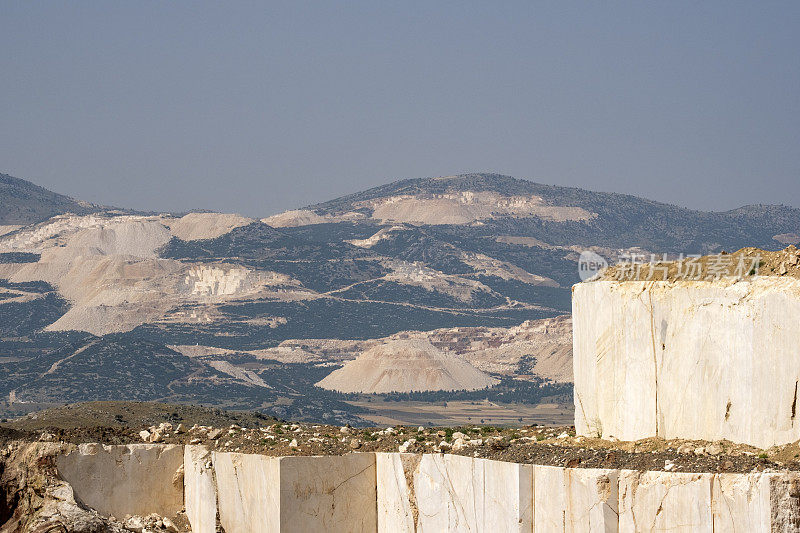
(22, 202)
(226, 310)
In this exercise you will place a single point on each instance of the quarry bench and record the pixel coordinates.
(395, 492)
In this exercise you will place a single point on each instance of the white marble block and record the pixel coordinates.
(135, 479)
(288, 494)
(397, 503)
(704, 360)
(756, 502)
(328, 493)
(248, 492)
(665, 501)
(199, 490)
(458, 494)
(575, 499)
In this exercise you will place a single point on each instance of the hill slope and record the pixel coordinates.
(243, 313)
(22, 202)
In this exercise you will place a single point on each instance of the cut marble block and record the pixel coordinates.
(457, 493)
(508, 502)
(665, 501)
(287, 494)
(135, 479)
(397, 504)
(575, 499)
(756, 502)
(200, 493)
(328, 493)
(248, 492)
(704, 360)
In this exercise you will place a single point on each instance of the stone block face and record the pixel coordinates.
(248, 492)
(287, 494)
(446, 491)
(665, 501)
(328, 493)
(391, 492)
(200, 492)
(457, 493)
(135, 479)
(508, 496)
(688, 359)
(397, 503)
(575, 499)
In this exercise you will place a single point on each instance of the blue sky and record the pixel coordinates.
(260, 107)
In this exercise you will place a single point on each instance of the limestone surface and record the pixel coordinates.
(706, 360)
(665, 501)
(134, 479)
(575, 499)
(391, 492)
(458, 493)
(248, 492)
(397, 504)
(287, 494)
(200, 496)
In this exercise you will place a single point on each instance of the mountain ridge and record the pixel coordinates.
(236, 312)
(24, 202)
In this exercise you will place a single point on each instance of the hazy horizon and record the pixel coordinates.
(259, 108)
(346, 193)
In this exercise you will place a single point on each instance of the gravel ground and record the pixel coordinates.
(557, 446)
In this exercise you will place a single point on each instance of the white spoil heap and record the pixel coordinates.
(704, 360)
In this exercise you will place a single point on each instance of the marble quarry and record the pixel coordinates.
(394, 492)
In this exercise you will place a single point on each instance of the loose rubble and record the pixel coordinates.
(555, 446)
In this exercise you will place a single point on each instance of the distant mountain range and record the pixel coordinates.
(227, 310)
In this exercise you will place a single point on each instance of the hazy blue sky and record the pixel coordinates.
(259, 107)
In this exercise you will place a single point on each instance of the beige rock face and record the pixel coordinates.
(397, 504)
(8, 228)
(452, 493)
(390, 492)
(693, 360)
(467, 206)
(665, 501)
(287, 494)
(306, 217)
(136, 479)
(406, 365)
(108, 268)
(328, 493)
(200, 496)
(248, 492)
(199, 226)
(575, 499)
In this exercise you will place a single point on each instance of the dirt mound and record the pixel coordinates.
(200, 226)
(306, 217)
(406, 365)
